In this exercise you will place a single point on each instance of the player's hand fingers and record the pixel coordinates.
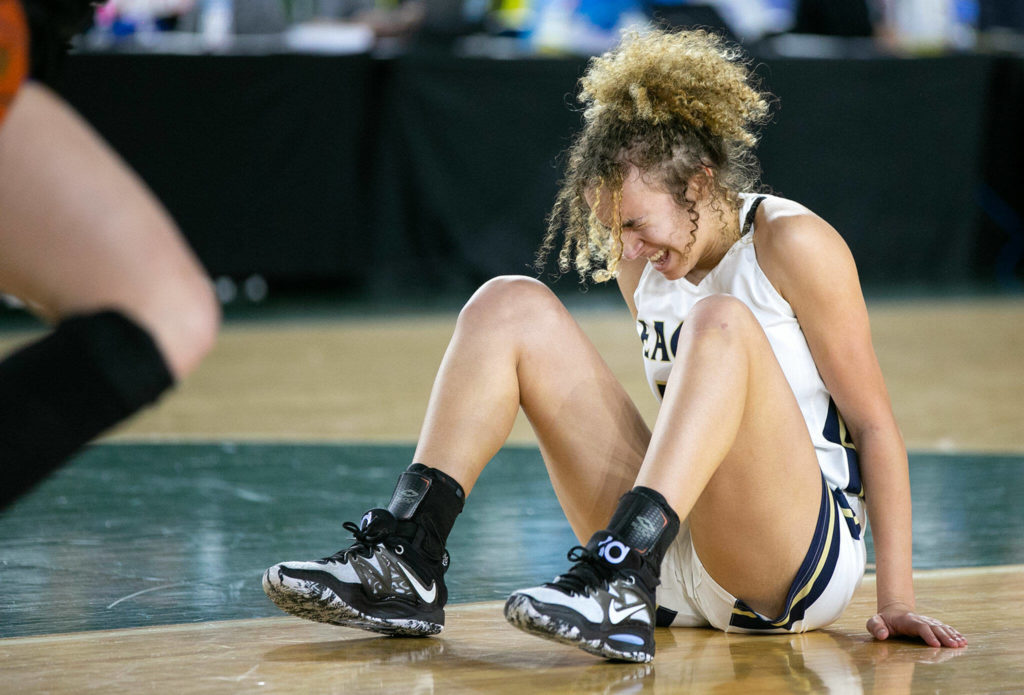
(930, 628)
(928, 634)
(951, 638)
(877, 627)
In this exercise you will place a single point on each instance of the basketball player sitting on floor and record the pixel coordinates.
(745, 507)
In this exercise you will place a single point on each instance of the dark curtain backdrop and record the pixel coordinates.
(436, 172)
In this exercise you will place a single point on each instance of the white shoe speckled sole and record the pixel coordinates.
(315, 601)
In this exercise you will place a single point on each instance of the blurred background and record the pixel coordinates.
(367, 163)
(387, 148)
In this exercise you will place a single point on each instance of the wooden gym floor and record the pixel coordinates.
(137, 567)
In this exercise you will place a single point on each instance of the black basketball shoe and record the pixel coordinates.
(605, 603)
(382, 582)
(603, 608)
(391, 579)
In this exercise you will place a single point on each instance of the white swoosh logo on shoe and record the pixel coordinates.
(616, 615)
(426, 594)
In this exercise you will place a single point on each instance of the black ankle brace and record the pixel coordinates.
(63, 390)
(430, 500)
(645, 522)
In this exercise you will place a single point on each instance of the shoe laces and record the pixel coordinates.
(365, 541)
(588, 573)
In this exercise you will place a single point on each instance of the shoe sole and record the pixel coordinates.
(316, 602)
(521, 612)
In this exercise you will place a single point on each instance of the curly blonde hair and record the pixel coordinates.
(672, 104)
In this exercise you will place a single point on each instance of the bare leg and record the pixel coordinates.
(516, 345)
(731, 451)
(79, 232)
(86, 246)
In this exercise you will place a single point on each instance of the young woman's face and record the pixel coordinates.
(655, 227)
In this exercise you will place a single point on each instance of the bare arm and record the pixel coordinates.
(811, 266)
(628, 279)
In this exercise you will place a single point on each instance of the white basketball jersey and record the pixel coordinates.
(662, 306)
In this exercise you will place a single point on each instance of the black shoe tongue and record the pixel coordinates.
(377, 523)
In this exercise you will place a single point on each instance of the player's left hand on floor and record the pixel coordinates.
(896, 622)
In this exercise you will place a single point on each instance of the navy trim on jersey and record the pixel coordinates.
(811, 579)
(835, 431)
(663, 617)
(748, 221)
(847, 511)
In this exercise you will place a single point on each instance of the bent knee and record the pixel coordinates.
(511, 287)
(510, 300)
(721, 312)
(184, 316)
(196, 325)
(199, 324)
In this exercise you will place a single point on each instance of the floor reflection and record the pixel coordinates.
(688, 660)
(140, 535)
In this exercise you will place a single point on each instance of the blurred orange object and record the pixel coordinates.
(13, 52)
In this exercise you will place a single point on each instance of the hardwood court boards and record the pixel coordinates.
(137, 567)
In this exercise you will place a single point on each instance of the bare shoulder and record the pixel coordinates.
(794, 245)
(628, 278)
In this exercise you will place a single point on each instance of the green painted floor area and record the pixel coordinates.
(131, 535)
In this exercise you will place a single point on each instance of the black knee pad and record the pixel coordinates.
(60, 392)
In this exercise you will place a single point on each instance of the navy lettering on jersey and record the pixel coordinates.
(662, 350)
(644, 335)
(660, 346)
(675, 338)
